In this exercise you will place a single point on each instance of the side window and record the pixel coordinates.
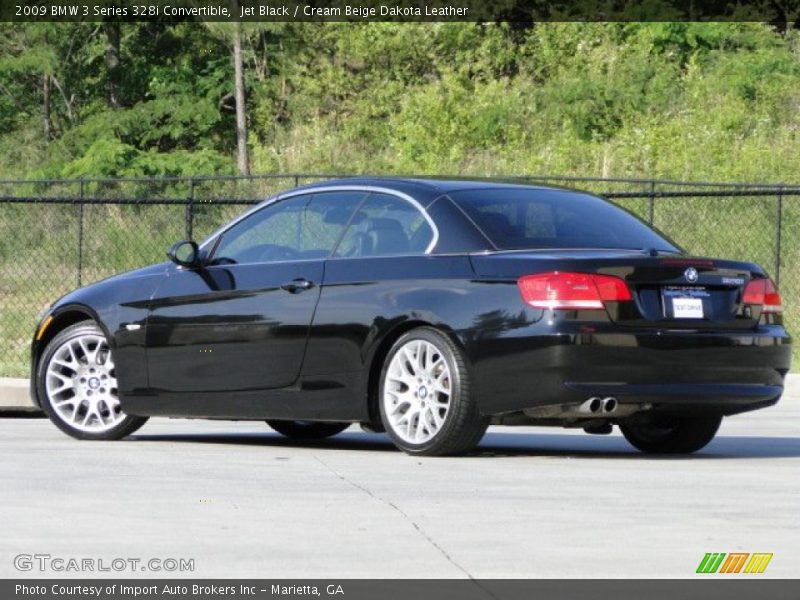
(299, 228)
(540, 221)
(533, 220)
(386, 225)
(325, 220)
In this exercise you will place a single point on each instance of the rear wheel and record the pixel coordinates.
(425, 399)
(671, 434)
(77, 385)
(307, 430)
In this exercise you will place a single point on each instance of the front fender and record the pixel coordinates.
(113, 304)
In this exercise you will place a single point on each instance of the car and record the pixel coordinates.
(425, 308)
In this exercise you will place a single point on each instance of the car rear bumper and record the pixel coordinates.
(724, 372)
(724, 398)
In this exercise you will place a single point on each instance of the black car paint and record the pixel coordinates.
(243, 330)
(230, 342)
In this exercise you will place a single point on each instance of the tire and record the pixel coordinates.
(425, 399)
(77, 387)
(307, 430)
(670, 434)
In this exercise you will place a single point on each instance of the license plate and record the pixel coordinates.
(685, 302)
(687, 308)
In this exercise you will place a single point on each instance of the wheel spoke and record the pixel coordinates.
(410, 366)
(60, 376)
(412, 419)
(108, 362)
(73, 357)
(440, 389)
(420, 430)
(84, 349)
(67, 386)
(400, 404)
(435, 417)
(64, 363)
(439, 362)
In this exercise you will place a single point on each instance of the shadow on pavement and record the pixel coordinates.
(502, 445)
(22, 414)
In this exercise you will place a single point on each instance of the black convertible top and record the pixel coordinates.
(421, 185)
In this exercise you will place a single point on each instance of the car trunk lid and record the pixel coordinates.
(667, 291)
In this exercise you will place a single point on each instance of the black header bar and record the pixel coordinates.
(518, 11)
(702, 588)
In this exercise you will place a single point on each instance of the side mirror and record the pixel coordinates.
(185, 254)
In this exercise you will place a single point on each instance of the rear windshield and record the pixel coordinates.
(516, 219)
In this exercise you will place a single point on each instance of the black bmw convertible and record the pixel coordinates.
(428, 309)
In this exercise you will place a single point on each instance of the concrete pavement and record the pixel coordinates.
(532, 502)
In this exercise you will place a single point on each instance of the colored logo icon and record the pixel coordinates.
(734, 562)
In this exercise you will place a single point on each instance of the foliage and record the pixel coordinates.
(676, 100)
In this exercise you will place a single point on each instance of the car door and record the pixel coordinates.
(240, 323)
(380, 273)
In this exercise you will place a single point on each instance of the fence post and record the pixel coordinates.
(651, 202)
(80, 231)
(778, 228)
(190, 211)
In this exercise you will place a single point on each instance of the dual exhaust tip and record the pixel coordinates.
(597, 405)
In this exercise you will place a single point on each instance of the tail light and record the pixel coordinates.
(764, 293)
(572, 291)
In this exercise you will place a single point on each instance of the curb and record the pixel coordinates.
(15, 395)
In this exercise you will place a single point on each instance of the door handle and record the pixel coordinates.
(295, 286)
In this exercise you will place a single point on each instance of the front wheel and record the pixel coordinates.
(670, 434)
(307, 430)
(425, 399)
(77, 385)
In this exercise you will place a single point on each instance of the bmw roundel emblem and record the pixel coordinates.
(690, 274)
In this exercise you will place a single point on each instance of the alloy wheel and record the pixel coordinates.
(417, 391)
(81, 384)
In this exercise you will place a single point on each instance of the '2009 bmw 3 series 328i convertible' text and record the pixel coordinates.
(428, 309)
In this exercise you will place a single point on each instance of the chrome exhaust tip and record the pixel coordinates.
(610, 404)
(594, 404)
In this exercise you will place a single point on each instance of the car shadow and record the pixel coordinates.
(22, 413)
(593, 446)
(508, 445)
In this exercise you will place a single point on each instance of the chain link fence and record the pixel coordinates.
(60, 234)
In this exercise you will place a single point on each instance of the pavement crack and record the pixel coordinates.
(405, 516)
